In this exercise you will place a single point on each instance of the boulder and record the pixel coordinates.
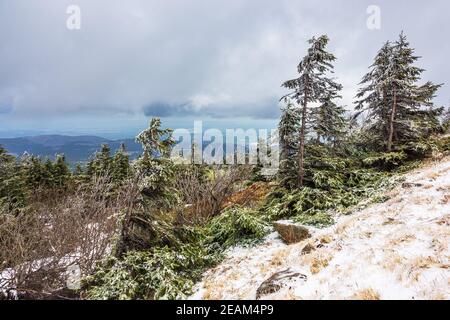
(290, 231)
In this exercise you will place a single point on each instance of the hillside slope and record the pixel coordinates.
(398, 249)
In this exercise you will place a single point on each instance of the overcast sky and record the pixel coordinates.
(183, 60)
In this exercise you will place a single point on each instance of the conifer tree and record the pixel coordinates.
(154, 172)
(121, 164)
(78, 170)
(61, 172)
(153, 167)
(446, 120)
(312, 85)
(35, 173)
(103, 160)
(13, 192)
(288, 130)
(394, 99)
(102, 163)
(47, 170)
(328, 120)
(373, 96)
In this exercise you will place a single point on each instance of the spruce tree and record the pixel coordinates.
(79, 171)
(48, 179)
(103, 161)
(312, 85)
(61, 172)
(395, 101)
(121, 164)
(288, 130)
(154, 172)
(34, 172)
(373, 96)
(13, 191)
(328, 120)
(446, 120)
(153, 167)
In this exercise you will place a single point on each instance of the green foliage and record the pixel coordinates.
(398, 110)
(387, 160)
(236, 225)
(61, 172)
(115, 168)
(314, 84)
(121, 165)
(319, 220)
(154, 169)
(446, 120)
(337, 185)
(161, 273)
(308, 205)
(13, 191)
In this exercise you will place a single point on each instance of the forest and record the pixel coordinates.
(149, 228)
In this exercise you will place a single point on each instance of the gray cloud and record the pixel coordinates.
(268, 109)
(218, 58)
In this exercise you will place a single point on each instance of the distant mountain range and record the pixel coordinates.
(75, 148)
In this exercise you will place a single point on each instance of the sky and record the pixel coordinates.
(220, 61)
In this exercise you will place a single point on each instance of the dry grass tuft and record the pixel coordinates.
(318, 263)
(366, 294)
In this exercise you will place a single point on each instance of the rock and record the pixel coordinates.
(307, 249)
(291, 232)
(410, 185)
(275, 282)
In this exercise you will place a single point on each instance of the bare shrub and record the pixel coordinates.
(41, 245)
(205, 194)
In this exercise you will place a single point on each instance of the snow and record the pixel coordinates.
(394, 250)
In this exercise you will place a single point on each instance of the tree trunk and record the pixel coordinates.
(301, 175)
(391, 121)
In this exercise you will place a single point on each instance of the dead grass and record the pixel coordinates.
(366, 294)
(250, 196)
(279, 258)
(325, 239)
(319, 263)
(400, 239)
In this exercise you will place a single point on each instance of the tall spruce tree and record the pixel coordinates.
(373, 96)
(154, 172)
(154, 166)
(312, 85)
(395, 101)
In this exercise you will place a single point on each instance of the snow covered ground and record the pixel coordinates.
(398, 249)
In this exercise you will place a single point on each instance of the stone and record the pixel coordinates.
(290, 231)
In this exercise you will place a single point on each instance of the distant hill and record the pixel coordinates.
(75, 148)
